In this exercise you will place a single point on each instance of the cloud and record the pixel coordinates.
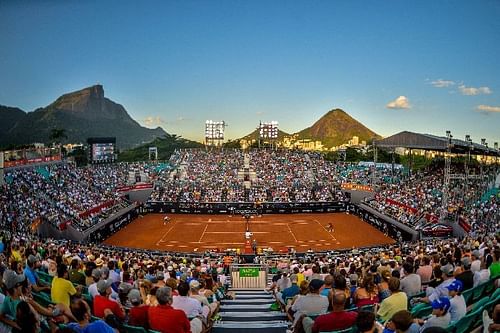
(259, 113)
(180, 118)
(401, 102)
(488, 108)
(153, 121)
(471, 91)
(442, 83)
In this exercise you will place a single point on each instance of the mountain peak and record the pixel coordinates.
(79, 97)
(337, 127)
(82, 114)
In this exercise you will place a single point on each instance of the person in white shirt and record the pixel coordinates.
(483, 275)
(191, 307)
(312, 303)
(458, 308)
(475, 266)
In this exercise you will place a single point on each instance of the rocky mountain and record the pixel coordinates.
(81, 114)
(9, 117)
(336, 127)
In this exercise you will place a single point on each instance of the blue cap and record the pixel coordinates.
(442, 303)
(456, 285)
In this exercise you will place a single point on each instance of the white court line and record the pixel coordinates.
(293, 235)
(237, 232)
(322, 226)
(203, 234)
(165, 234)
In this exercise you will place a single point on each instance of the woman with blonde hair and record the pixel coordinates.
(367, 293)
(383, 286)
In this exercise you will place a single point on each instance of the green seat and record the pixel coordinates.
(496, 294)
(466, 323)
(490, 287)
(421, 310)
(488, 306)
(153, 331)
(45, 277)
(480, 304)
(134, 329)
(478, 291)
(42, 299)
(368, 308)
(468, 295)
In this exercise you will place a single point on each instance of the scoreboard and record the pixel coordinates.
(102, 150)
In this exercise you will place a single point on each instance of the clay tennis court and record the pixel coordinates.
(204, 232)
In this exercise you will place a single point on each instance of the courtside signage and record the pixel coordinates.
(249, 272)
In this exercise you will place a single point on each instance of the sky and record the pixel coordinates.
(422, 66)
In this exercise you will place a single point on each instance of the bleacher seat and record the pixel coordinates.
(466, 323)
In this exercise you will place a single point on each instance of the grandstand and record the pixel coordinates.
(56, 215)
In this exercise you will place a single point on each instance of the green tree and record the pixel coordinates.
(57, 135)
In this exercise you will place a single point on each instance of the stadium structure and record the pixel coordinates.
(222, 225)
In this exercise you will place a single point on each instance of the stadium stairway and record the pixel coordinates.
(249, 312)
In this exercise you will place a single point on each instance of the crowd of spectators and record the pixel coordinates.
(145, 289)
(62, 193)
(274, 176)
(419, 196)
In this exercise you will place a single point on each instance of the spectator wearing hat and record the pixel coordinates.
(12, 283)
(31, 275)
(458, 308)
(81, 311)
(96, 276)
(440, 314)
(166, 319)
(103, 301)
(312, 303)
(441, 290)
(138, 313)
(62, 289)
(396, 302)
(466, 275)
(123, 291)
(212, 308)
(337, 319)
(289, 292)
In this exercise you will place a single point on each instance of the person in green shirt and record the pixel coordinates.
(396, 302)
(495, 265)
(13, 285)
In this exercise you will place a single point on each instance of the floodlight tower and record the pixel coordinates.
(467, 161)
(447, 169)
(374, 173)
(495, 145)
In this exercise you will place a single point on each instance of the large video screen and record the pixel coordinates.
(103, 152)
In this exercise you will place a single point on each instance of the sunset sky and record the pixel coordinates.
(423, 66)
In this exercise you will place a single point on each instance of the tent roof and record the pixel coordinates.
(412, 140)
